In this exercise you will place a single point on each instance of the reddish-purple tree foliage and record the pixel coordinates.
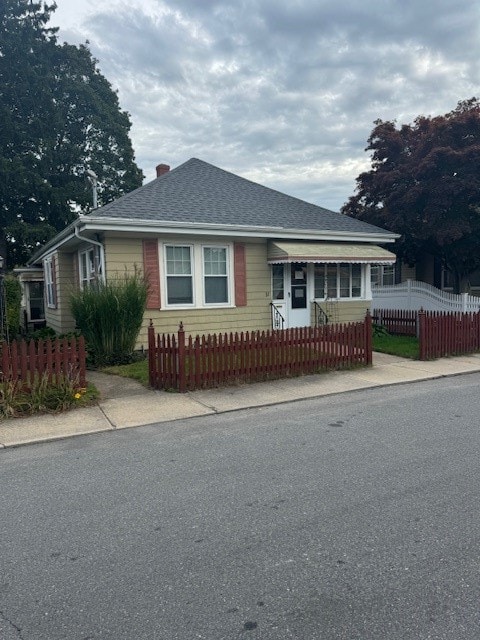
(425, 184)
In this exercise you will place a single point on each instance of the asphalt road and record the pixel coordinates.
(354, 517)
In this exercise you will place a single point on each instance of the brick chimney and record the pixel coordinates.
(161, 169)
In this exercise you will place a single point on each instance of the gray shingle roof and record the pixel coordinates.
(198, 192)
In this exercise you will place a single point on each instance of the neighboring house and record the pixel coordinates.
(431, 270)
(33, 302)
(221, 253)
(428, 269)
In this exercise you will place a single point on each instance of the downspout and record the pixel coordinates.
(102, 251)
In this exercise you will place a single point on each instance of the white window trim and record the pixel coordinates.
(228, 275)
(381, 274)
(198, 274)
(363, 291)
(282, 299)
(49, 282)
(96, 273)
(166, 275)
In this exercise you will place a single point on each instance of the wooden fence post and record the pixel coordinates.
(82, 361)
(152, 377)
(422, 334)
(368, 338)
(182, 387)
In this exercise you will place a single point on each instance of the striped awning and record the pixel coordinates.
(328, 252)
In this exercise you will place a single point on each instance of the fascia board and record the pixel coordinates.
(143, 226)
(51, 246)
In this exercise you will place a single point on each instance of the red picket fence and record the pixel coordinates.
(59, 358)
(185, 364)
(396, 321)
(448, 334)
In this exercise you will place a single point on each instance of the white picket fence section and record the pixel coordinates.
(414, 295)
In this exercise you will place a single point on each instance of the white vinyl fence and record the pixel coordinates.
(413, 295)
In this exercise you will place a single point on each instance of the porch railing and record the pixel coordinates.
(321, 317)
(278, 321)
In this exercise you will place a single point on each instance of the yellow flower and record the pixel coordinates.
(77, 396)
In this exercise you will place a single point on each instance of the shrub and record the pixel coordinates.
(13, 300)
(45, 333)
(379, 330)
(43, 396)
(110, 316)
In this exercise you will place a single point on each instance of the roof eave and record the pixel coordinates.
(86, 223)
(182, 228)
(54, 243)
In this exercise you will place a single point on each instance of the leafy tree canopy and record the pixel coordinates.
(425, 184)
(58, 117)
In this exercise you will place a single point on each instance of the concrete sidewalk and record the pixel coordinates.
(126, 403)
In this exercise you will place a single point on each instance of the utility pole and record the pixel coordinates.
(92, 176)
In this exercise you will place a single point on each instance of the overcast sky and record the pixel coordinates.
(283, 92)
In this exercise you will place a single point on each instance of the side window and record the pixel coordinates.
(49, 270)
(36, 309)
(388, 274)
(278, 287)
(87, 267)
(382, 275)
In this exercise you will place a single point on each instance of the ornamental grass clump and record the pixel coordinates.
(43, 395)
(109, 316)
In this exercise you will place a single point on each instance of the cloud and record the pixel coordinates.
(281, 92)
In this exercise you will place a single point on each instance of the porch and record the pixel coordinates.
(320, 283)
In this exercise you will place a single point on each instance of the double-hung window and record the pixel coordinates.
(87, 267)
(49, 266)
(178, 261)
(215, 273)
(197, 275)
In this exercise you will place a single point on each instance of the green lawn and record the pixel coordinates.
(403, 346)
(136, 370)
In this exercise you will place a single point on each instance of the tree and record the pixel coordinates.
(425, 184)
(59, 117)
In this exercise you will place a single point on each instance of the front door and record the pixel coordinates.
(298, 307)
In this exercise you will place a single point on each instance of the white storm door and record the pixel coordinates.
(297, 295)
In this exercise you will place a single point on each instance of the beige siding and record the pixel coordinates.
(125, 254)
(344, 310)
(122, 254)
(60, 319)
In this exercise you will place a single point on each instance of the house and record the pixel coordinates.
(429, 269)
(32, 306)
(221, 253)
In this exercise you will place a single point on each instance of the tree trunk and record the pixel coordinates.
(462, 282)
